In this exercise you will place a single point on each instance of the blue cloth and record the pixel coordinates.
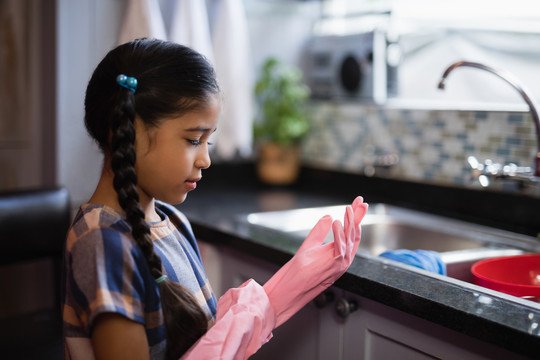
(423, 259)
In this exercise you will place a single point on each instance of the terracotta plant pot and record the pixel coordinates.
(278, 165)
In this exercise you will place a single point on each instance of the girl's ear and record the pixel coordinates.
(145, 135)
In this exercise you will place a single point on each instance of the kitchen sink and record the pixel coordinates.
(387, 227)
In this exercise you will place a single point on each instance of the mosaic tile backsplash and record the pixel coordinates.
(431, 145)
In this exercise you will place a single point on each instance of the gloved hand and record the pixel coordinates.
(244, 322)
(316, 266)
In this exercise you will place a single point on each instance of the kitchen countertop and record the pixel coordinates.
(217, 207)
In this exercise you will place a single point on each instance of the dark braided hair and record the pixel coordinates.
(172, 80)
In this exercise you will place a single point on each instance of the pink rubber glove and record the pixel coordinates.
(316, 266)
(247, 315)
(244, 322)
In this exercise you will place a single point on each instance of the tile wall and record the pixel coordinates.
(432, 145)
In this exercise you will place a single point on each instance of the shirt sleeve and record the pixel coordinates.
(105, 276)
(244, 322)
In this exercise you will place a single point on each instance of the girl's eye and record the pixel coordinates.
(199, 142)
(195, 142)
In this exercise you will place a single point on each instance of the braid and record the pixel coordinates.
(125, 180)
(185, 321)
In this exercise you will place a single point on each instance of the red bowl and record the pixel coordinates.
(514, 275)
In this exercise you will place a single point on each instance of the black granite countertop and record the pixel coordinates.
(217, 208)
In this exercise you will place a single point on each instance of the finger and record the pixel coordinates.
(360, 210)
(350, 232)
(319, 232)
(339, 239)
(357, 239)
(357, 201)
(359, 213)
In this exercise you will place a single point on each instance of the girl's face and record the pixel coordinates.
(171, 157)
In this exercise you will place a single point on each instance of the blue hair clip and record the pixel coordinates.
(161, 279)
(127, 82)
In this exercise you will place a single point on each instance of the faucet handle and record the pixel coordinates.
(479, 170)
(491, 170)
(378, 158)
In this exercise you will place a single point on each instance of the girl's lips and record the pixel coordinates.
(192, 183)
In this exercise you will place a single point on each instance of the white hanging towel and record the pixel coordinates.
(142, 19)
(232, 62)
(190, 27)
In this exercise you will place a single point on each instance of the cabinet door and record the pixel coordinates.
(331, 328)
(296, 339)
(378, 332)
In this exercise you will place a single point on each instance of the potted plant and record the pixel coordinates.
(281, 121)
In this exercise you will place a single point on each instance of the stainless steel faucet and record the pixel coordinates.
(516, 85)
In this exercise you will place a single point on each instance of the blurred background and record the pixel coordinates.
(377, 125)
(49, 48)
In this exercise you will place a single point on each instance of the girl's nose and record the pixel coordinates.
(203, 160)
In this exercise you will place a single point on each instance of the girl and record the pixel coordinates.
(134, 283)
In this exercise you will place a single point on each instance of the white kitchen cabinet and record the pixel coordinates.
(378, 332)
(373, 331)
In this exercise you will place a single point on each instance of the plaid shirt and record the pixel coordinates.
(105, 271)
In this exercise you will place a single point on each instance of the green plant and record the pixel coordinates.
(281, 97)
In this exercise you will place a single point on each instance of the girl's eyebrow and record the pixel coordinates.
(200, 129)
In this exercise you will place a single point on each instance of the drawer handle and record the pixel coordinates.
(345, 307)
(323, 299)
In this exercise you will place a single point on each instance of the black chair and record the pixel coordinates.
(33, 226)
